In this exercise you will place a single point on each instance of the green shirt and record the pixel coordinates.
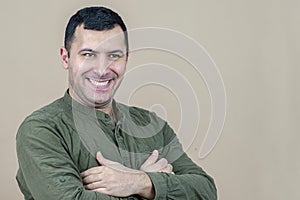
(59, 141)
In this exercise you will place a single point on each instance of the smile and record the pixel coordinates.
(98, 83)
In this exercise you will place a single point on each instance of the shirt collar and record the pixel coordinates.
(90, 111)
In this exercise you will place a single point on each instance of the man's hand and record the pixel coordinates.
(152, 165)
(113, 178)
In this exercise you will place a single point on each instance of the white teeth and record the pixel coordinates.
(97, 83)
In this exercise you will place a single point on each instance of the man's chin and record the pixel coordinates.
(96, 101)
(100, 103)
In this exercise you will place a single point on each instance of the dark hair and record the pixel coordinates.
(94, 18)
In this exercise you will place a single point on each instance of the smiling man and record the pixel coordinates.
(86, 145)
(96, 61)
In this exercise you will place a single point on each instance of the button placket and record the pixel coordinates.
(122, 147)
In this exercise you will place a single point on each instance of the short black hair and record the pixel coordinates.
(94, 18)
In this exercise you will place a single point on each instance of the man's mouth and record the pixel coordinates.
(99, 83)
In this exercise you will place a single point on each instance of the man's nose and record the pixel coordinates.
(103, 64)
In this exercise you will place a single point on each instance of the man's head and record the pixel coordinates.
(93, 18)
(95, 54)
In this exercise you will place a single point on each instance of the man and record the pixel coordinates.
(87, 146)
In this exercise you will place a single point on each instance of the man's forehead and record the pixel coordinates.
(105, 40)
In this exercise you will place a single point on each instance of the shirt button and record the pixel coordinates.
(106, 116)
(62, 179)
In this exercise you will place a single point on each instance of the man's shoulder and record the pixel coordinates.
(41, 122)
(46, 113)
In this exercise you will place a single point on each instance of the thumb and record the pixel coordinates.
(151, 159)
(101, 160)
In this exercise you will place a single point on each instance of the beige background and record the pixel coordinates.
(255, 44)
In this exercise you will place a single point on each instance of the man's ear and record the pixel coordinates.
(64, 57)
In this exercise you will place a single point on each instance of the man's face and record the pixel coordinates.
(96, 63)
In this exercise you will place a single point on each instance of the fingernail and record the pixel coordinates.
(155, 152)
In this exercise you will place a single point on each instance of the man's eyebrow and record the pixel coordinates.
(117, 51)
(94, 51)
(88, 49)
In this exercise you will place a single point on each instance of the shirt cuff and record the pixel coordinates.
(160, 184)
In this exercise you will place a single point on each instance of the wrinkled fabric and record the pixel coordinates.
(59, 141)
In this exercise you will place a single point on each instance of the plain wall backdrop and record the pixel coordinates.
(255, 45)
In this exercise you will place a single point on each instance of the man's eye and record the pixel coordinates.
(114, 56)
(88, 55)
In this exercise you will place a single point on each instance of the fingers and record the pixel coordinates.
(91, 171)
(151, 159)
(99, 185)
(168, 169)
(158, 166)
(162, 163)
(92, 178)
(101, 190)
(152, 165)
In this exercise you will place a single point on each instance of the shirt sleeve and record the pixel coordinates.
(47, 167)
(189, 181)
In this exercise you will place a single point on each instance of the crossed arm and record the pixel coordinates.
(48, 171)
(114, 179)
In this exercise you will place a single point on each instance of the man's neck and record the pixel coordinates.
(108, 109)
